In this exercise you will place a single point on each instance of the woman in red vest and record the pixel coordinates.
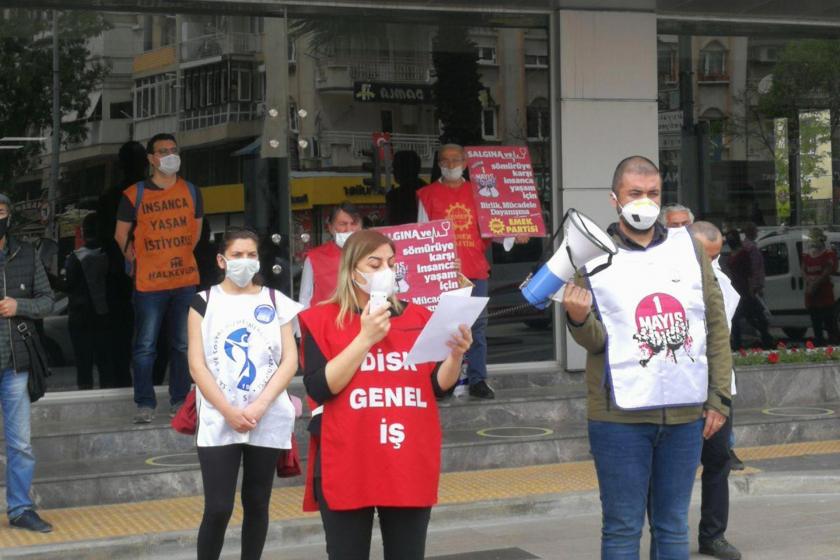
(320, 269)
(375, 432)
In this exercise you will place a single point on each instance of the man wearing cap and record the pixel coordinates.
(658, 368)
(26, 296)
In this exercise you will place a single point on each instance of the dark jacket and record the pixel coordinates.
(23, 278)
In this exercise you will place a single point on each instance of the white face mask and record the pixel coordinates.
(169, 165)
(341, 237)
(241, 271)
(383, 280)
(639, 214)
(452, 174)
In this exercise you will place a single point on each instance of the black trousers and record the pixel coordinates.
(714, 507)
(88, 334)
(219, 471)
(822, 318)
(349, 532)
(750, 310)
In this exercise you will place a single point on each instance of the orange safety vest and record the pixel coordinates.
(164, 237)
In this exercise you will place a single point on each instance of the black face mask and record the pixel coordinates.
(4, 227)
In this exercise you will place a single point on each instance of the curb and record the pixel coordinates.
(308, 531)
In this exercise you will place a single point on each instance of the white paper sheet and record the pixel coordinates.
(451, 311)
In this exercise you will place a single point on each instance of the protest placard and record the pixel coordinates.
(425, 261)
(505, 191)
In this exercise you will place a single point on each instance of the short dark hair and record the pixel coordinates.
(633, 164)
(236, 233)
(90, 226)
(348, 208)
(160, 137)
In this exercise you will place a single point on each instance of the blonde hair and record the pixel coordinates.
(358, 246)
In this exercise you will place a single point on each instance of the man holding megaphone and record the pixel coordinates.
(658, 367)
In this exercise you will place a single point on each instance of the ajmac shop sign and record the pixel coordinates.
(383, 92)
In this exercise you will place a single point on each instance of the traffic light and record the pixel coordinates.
(371, 165)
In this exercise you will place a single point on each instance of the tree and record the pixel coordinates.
(26, 54)
(806, 78)
(457, 87)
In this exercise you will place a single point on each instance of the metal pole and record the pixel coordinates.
(52, 195)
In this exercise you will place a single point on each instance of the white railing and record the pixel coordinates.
(216, 44)
(235, 111)
(424, 145)
(401, 70)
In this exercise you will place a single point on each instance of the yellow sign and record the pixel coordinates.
(307, 192)
(330, 190)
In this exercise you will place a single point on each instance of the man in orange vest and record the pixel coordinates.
(158, 226)
(320, 269)
(451, 198)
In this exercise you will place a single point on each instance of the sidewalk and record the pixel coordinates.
(467, 499)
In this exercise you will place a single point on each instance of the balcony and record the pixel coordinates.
(339, 72)
(235, 111)
(219, 44)
(344, 147)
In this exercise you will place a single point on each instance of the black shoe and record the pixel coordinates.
(735, 463)
(720, 548)
(31, 521)
(482, 390)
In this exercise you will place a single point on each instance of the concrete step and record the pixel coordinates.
(89, 452)
(160, 473)
(110, 432)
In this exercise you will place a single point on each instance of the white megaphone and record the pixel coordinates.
(582, 242)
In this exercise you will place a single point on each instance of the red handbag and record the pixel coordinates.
(288, 464)
(185, 420)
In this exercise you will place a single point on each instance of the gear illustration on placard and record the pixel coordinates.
(460, 216)
(497, 226)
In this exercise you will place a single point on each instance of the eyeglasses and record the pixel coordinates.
(165, 152)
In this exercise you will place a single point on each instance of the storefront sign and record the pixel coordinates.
(426, 261)
(505, 191)
(381, 92)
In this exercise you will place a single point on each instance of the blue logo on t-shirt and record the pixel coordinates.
(264, 314)
(236, 348)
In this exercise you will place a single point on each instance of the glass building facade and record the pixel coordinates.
(274, 105)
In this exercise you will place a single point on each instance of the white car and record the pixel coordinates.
(784, 285)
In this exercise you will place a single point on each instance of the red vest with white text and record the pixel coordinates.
(325, 260)
(380, 436)
(458, 206)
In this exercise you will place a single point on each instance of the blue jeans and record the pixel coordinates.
(150, 310)
(645, 467)
(20, 463)
(476, 356)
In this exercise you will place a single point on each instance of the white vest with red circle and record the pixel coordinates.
(651, 304)
(380, 436)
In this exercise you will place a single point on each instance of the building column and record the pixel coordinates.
(605, 63)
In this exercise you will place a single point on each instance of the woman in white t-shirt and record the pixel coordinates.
(242, 357)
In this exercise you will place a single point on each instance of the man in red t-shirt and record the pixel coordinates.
(818, 264)
(451, 198)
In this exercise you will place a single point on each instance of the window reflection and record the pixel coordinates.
(207, 79)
